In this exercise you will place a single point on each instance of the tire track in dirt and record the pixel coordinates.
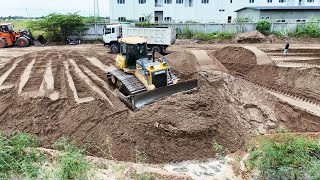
(35, 79)
(79, 92)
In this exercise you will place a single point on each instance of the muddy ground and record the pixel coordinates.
(63, 92)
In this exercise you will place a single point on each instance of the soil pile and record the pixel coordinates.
(183, 64)
(180, 127)
(250, 37)
(225, 109)
(237, 60)
(232, 54)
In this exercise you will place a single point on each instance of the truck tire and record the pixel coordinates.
(114, 48)
(22, 42)
(157, 49)
(3, 43)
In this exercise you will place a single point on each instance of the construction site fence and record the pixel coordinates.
(95, 31)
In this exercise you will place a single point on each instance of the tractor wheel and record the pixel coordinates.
(114, 48)
(3, 43)
(157, 49)
(22, 42)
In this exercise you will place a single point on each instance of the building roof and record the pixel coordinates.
(268, 8)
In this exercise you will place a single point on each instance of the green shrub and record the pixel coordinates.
(185, 33)
(287, 157)
(71, 162)
(263, 26)
(309, 30)
(19, 156)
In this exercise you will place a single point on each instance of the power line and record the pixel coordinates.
(96, 8)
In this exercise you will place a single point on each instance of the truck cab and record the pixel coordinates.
(111, 34)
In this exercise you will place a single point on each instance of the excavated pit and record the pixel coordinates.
(226, 109)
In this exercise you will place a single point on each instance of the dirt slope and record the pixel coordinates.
(63, 93)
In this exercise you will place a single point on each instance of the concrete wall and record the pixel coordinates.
(215, 11)
(96, 33)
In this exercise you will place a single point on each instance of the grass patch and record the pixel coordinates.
(286, 156)
(19, 156)
(187, 33)
(71, 162)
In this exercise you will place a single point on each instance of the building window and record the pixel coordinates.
(179, 1)
(310, 1)
(229, 19)
(251, 1)
(267, 17)
(142, 1)
(189, 3)
(221, 10)
(281, 20)
(121, 1)
(167, 1)
(141, 19)
(167, 19)
(301, 20)
(120, 19)
(269, 1)
(204, 1)
(282, 1)
(230, 1)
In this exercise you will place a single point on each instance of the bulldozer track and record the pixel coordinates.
(291, 64)
(310, 105)
(57, 75)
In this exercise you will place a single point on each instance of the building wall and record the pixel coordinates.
(216, 11)
(253, 14)
(290, 16)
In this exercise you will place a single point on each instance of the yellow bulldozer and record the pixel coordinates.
(140, 78)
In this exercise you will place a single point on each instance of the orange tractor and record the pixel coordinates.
(24, 38)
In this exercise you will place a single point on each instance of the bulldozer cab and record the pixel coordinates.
(132, 49)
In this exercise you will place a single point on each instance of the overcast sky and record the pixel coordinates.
(35, 8)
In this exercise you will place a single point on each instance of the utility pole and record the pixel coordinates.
(96, 15)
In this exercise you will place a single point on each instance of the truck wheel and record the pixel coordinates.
(157, 49)
(3, 43)
(22, 42)
(114, 48)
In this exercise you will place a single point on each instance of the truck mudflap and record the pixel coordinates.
(137, 101)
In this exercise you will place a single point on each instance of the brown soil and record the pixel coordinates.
(225, 109)
(231, 54)
(183, 64)
(180, 127)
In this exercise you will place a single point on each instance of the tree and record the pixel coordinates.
(59, 26)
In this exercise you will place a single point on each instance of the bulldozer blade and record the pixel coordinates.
(36, 42)
(141, 99)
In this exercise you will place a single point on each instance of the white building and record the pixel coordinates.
(205, 11)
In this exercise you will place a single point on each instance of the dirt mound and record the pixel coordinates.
(183, 64)
(63, 93)
(250, 37)
(232, 54)
(176, 128)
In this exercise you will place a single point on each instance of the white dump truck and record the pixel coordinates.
(158, 38)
